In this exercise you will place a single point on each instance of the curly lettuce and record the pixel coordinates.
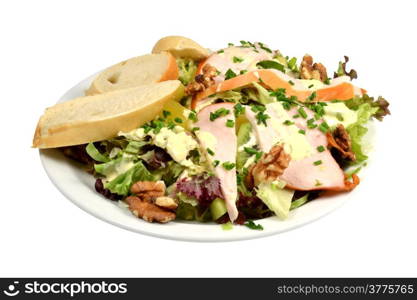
(366, 108)
(380, 103)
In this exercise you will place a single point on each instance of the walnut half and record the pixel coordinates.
(269, 167)
(340, 140)
(308, 70)
(202, 81)
(149, 211)
(148, 190)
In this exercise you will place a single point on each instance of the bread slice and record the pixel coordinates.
(181, 46)
(136, 71)
(100, 117)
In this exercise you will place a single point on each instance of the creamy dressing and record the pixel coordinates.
(207, 139)
(125, 164)
(175, 141)
(295, 143)
(339, 113)
(312, 84)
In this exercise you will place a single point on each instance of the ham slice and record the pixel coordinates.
(236, 59)
(220, 139)
(304, 171)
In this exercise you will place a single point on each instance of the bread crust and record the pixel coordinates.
(76, 133)
(181, 46)
(171, 73)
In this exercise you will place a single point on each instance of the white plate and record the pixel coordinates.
(78, 186)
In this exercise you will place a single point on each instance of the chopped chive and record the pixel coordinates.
(311, 124)
(339, 117)
(261, 118)
(243, 72)
(166, 113)
(228, 165)
(252, 225)
(230, 123)
(318, 183)
(209, 151)
(262, 46)
(219, 113)
(239, 109)
(310, 86)
(327, 81)
(317, 162)
(270, 64)
(295, 116)
(220, 51)
(302, 112)
(321, 148)
(324, 127)
(258, 108)
(291, 82)
(258, 155)
(288, 122)
(216, 163)
(178, 120)
(312, 96)
(192, 116)
(230, 44)
(195, 129)
(237, 59)
(229, 74)
(250, 150)
(302, 131)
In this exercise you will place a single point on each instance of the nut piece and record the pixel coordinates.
(202, 81)
(166, 202)
(269, 167)
(148, 211)
(340, 140)
(148, 190)
(308, 70)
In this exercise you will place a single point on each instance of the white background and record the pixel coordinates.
(48, 46)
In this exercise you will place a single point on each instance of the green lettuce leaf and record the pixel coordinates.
(381, 105)
(357, 130)
(122, 183)
(115, 166)
(278, 200)
(95, 154)
(187, 69)
(260, 94)
(227, 96)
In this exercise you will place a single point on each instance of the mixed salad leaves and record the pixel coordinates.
(256, 135)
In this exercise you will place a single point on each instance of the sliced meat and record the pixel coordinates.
(236, 59)
(219, 141)
(309, 169)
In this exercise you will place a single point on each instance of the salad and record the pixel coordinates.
(257, 134)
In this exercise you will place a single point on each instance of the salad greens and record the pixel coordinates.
(170, 149)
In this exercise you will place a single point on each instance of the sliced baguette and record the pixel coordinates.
(100, 117)
(181, 46)
(136, 71)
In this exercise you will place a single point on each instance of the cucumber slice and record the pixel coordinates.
(217, 208)
(243, 136)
